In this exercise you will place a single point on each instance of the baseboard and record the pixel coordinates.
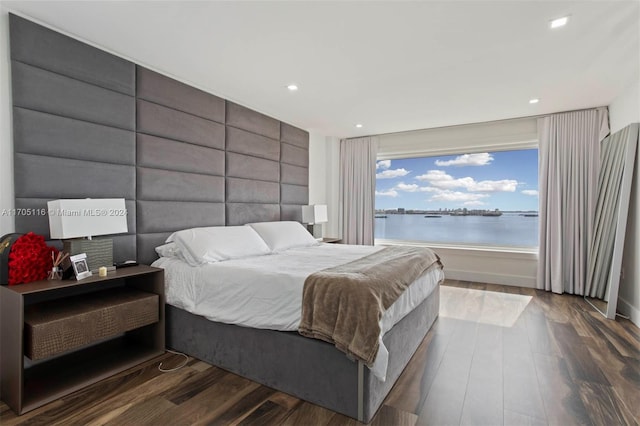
(627, 309)
(484, 277)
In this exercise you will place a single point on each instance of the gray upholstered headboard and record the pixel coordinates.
(90, 124)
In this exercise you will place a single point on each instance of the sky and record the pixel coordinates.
(505, 180)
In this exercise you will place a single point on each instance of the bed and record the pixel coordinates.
(242, 314)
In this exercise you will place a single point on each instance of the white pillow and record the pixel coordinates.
(168, 250)
(284, 235)
(213, 244)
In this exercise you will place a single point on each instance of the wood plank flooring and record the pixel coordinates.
(559, 363)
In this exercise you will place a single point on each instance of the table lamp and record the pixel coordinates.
(314, 216)
(78, 221)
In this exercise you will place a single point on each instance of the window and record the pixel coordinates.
(488, 198)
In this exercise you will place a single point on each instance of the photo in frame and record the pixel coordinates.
(80, 267)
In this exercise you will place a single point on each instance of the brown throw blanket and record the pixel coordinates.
(343, 305)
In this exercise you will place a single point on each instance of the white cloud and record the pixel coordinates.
(457, 196)
(441, 179)
(412, 187)
(383, 164)
(387, 193)
(505, 185)
(532, 192)
(435, 176)
(474, 203)
(481, 159)
(390, 174)
(407, 187)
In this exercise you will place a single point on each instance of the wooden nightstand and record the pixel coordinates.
(331, 240)
(113, 340)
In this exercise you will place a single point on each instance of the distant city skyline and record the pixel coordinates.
(505, 180)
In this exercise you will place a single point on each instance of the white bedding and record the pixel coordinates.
(266, 291)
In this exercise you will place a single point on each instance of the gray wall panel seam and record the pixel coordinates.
(73, 78)
(253, 133)
(252, 179)
(84, 160)
(179, 202)
(252, 156)
(177, 109)
(73, 118)
(177, 171)
(294, 145)
(177, 140)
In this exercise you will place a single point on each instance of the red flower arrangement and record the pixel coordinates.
(30, 259)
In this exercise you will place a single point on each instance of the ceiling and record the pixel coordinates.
(391, 66)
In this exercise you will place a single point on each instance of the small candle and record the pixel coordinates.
(102, 271)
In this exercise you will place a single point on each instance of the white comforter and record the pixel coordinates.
(266, 291)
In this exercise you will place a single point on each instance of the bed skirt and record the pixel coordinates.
(309, 369)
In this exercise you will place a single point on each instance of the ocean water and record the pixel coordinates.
(510, 229)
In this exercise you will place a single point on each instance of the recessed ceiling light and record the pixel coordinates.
(292, 87)
(358, 125)
(534, 101)
(560, 22)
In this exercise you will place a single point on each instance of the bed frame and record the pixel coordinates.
(106, 127)
(309, 369)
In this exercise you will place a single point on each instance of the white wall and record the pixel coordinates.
(6, 135)
(624, 110)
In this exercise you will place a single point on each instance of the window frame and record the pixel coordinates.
(509, 146)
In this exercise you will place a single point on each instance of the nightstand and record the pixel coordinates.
(331, 240)
(60, 336)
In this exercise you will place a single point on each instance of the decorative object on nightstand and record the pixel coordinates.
(80, 267)
(25, 258)
(314, 216)
(77, 221)
(56, 268)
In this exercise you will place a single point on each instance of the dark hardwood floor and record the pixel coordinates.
(559, 363)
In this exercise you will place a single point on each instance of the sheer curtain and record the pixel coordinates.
(357, 189)
(569, 160)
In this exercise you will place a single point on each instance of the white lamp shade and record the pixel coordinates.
(316, 213)
(87, 217)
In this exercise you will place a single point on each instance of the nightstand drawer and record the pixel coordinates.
(57, 326)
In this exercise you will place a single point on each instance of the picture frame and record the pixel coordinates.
(80, 266)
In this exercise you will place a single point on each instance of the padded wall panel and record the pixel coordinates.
(41, 177)
(252, 191)
(294, 174)
(294, 155)
(245, 166)
(36, 45)
(294, 136)
(244, 118)
(74, 124)
(40, 90)
(244, 142)
(147, 244)
(166, 91)
(294, 194)
(169, 216)
(51, 135)
(242, 213)
(166, 185)
(168, 154)
(291, 212)
(35, 216)
(169, 123)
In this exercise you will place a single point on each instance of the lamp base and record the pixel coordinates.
(315, 230)
(99, 251)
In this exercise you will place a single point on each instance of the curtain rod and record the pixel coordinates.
(479, 122)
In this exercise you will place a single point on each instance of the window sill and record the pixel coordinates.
(502, 251)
